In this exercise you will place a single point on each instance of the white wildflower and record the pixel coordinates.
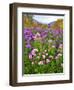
(53, 46)
(51, 56)
(45, 50)
(40, 63)
(59, 54)
(46, 54)
(32, 63)
(50, 41)
(43, 56)
(47, 60)
(36, 50)
(56, 57)
(38, 34)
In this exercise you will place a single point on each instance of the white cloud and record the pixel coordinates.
(45, 19)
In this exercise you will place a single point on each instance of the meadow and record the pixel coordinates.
(43, 46)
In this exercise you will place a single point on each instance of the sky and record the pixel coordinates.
(45, 19)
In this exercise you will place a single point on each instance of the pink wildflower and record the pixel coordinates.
(30, 56)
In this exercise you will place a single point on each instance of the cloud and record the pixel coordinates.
(45, 19)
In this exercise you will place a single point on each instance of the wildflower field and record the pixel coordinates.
(43, 46)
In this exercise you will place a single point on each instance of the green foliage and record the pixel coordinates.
(53, 67)
(37, 44)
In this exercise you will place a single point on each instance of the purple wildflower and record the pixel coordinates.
(57, 32)
(28, 34)
(44, 34)
(33, 53)
(28, 46)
